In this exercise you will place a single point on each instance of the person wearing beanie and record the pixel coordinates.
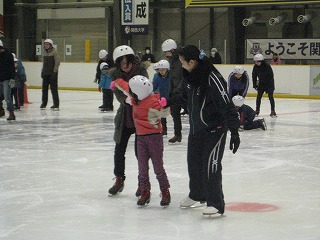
(148, 57)
(49, 75)
(211, 115)
(215, 57)
(7, 75)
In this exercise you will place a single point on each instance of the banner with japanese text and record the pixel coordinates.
(1, 19)
(302, 49)
(135, 17)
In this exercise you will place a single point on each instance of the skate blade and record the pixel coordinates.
(196, 205)
(212, 215)
(143, 206)
(175, 143)
(55, 109)
(11, 121)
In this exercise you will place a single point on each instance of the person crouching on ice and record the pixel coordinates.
(147, 111)
(247, 115)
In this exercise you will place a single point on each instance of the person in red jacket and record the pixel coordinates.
(147, 111)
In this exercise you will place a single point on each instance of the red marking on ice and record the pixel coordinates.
(250, 207)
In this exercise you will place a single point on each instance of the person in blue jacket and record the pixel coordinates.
(104, 86)
(161, 82)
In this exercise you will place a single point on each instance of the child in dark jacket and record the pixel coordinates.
(17, 85)
(247, 115)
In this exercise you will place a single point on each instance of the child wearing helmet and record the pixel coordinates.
(161, 81)
(103, 58)
(263, 81)
(104, 86)
(238, 82)
(127, 65)
(247, 115)
(147, 109)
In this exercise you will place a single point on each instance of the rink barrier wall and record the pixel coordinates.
(291, 81)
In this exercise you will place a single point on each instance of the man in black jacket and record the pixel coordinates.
(7, 74)
(263, 81)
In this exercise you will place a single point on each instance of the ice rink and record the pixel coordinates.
(56, 168)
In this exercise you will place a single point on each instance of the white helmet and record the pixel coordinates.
(164, 64)
(238, 100)
(14, 55)
(104, 66)
(48, 41)
(214, 50)
(15, 60)
(122, 51)
(258, 57)
(103, 53)
(238, 69)
(141, 86)
(168, 45)
(1, 44)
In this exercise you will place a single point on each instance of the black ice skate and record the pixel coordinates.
(54, 108)
(263, 124)
(117, 186)
(43, 106)
(165, 198)
(144, 198)
(175, 139)
(273, 113)
(11, 117)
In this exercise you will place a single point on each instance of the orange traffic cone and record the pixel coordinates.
(26, 101)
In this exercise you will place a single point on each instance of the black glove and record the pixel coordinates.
(234, 141)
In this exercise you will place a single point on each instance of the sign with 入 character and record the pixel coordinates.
(135, 17)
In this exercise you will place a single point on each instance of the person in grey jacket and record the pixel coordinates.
(127, 65)
(49, 74)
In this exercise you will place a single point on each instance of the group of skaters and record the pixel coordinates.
(13, 79)
(186, 79)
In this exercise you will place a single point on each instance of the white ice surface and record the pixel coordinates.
(56, 168)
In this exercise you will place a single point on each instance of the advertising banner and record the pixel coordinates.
(300, 49)
(135, 17)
